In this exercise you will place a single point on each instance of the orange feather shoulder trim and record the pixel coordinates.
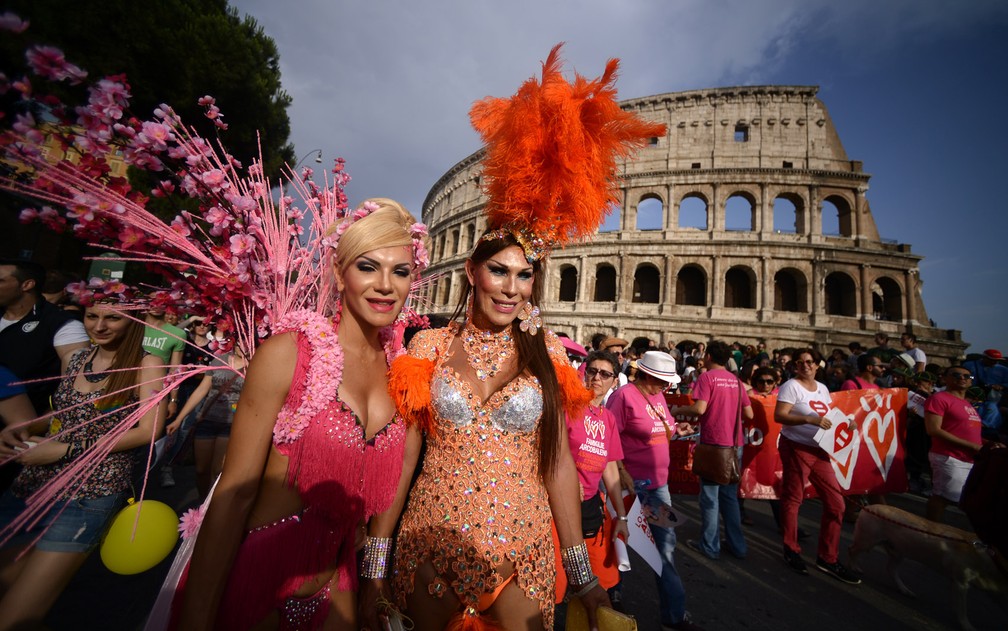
(575, 395)
(409, 380)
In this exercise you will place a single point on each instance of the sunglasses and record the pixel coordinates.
(605, 374)
(807, 362)
(765, 381)
(961, 376)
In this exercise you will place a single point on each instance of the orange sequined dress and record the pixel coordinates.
(479, 503)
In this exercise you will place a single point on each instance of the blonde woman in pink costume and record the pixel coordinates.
(316, 449)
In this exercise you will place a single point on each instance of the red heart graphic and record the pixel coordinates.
(842, 437)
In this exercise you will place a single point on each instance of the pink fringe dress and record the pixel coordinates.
(343, 481)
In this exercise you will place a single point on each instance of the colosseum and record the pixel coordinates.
(746, 221)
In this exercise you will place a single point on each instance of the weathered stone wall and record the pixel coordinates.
(767, 149)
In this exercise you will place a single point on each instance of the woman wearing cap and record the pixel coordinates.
(643, 421)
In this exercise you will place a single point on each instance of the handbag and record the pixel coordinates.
(719, 464)
(608, 619)
(716, 463)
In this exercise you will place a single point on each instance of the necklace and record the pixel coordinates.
(486, 350)
(90, 375)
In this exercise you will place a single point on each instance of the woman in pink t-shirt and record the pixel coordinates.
(595, 444)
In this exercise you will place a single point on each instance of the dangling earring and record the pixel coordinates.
(469, 306)
(530, 320)
(337, 307)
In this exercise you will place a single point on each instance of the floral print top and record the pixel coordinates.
(81, 420)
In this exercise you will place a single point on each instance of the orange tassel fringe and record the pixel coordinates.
(575, 395)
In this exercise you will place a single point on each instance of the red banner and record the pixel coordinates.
(869, 453)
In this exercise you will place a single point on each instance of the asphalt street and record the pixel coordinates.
(757, 593)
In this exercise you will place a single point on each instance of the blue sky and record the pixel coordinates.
(916, 88)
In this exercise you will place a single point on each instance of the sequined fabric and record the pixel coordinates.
(479, 506)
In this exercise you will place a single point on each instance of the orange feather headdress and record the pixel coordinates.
(550, 165)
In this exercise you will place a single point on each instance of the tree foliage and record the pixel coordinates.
(172, 51)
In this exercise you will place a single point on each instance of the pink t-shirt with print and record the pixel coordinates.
(639, 419)
(959, 418)
(594, 443)
(722, 391)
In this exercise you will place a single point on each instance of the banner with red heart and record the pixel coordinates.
(877, 420)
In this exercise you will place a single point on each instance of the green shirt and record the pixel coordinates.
(163, 341)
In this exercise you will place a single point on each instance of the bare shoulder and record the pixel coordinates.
(272, 365)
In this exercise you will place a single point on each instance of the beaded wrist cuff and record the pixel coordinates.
(374, 563)
(576, 564)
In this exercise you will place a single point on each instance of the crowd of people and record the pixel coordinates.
(474, 477)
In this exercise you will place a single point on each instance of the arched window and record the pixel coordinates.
(612, 220)
(470, 238)
(841, 295)
(837, 217)
(646, 284)
(605, 283)
(454, 242)
(568, 283)
(649, 214)
(785, 215)
(740, 288)
(691, 286)
(447, 289)
(887, 300)
(739, 215)
(693, 212)
(790, 290)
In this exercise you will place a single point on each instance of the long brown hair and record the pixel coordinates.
(128, 356)
(532, 354)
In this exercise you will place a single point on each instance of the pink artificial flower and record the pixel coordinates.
(189, 522)
(131, 237)
(216, 180)
(418, 230)
(13, 23)
(156, 135)
(48, 62)
(28, 215)
(212, 112)
(207, 100)
(241, 244)
(24, 124)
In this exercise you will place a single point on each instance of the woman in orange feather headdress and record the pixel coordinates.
(474, 547)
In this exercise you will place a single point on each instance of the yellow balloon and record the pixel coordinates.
(156, 535)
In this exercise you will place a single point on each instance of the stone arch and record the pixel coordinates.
(650, 212)
(790, 291)
(646, 284)
(887, 299)
(568, 283)
(691, 286)
(837, 216)
(470, 237)
(740, 212)
(788, 214)
(740, 288)
(605, 283)
(840, 295)
(693, 211)
(446, 289)
(454, 242)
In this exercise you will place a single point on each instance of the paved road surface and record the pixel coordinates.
(755, 594)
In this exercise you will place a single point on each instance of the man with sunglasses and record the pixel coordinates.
(954, 427)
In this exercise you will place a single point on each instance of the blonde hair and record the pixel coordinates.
(386, 227)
